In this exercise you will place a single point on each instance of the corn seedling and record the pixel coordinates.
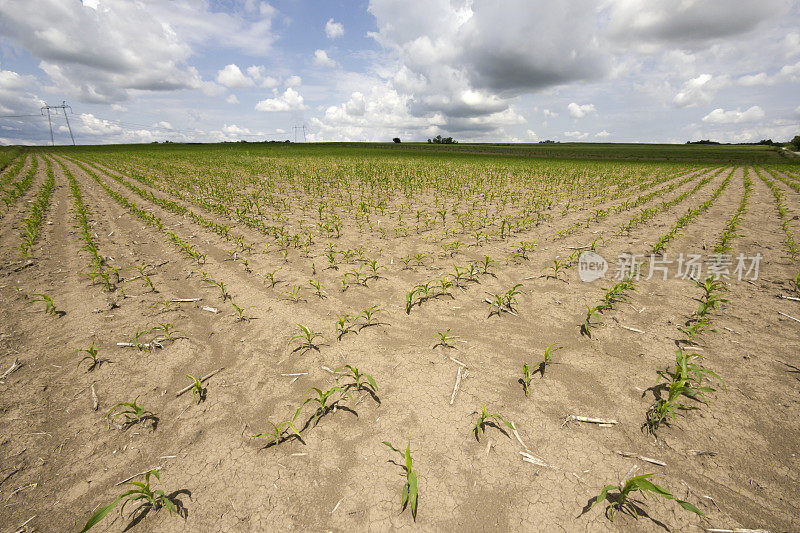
(548, 353)
(240, 312)
(277, 432)
(168, 332)
(485, 265)
(270, 276)
(510, 297)
(558, 267)
(368, 315)
(410, 489)
(91, 356)
(495, 304)
(50, 308)
(294, 294)
(693, 373)
(322, 405)
(360, 379)
(343, 325)
(307, 339)
(164, 306)
(641, 484)
(685, 381)
(445, 339)
(486, 418)
(587, 321)
(317, 288)
(132, 411)
(526, 379)
(143, 494)
(198, 391)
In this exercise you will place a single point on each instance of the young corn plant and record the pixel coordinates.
(641, 484)
(445, 339)
(510, 297)
(294, 294)
(270, 276)
(486, 418)
(557, 269)
(317, 288)
(321, 401)
(369, 316)
(132, 411)
(198, 391)
(279, 432)
(142, 494)
(548, 354)
(685, 381)
(240, 316)
(587, 321)
(409, 497)
(526, 379)
(307, 340)
(91, 356)
(685, 366)
(50, 308)
(361, 380)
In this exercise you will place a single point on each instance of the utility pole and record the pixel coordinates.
(62, 107)
(295, 128)
(47, 107)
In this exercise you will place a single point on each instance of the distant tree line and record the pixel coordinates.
(442, 140)
(795, 142)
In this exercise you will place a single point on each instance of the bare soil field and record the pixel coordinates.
(263, 272)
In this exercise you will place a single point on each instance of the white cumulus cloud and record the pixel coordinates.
(700, 90)
(719, 116)
(321, 59)
(233, 78)
(290, 100)
(580, 111)
(333, 29)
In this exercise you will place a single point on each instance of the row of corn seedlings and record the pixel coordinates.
(97, 267)
(647, 214)
(629, 282)
(32, 225)
(599, 214)
(436, 288)
(686, 381)
(146, 217)
(19, 187)
(174, 207)
(785, 215)
(11, 171)
(349, 379)
(729, 233)
(660, 245)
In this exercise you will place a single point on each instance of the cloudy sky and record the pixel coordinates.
(477, 70)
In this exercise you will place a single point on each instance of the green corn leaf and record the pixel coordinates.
(412, 490)
(100, 514)
(689, 507)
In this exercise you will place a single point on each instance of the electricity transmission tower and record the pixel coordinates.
(295, 128)
(64, 108)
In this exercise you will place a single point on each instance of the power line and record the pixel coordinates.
(62, 107)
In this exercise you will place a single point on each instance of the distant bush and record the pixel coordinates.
(442, 140)
(795, 142)
(396, 140)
